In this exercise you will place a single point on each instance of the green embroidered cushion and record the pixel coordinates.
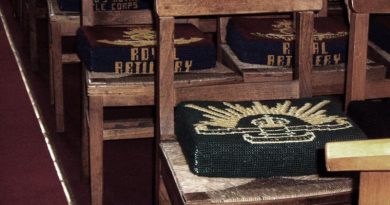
(260, 138)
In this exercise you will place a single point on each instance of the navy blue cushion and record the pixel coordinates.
(270, 41)
(380, 31)
(260, 138)
(69, 5)
(132, 49)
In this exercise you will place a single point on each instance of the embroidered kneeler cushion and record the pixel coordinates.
(270, 41)
(131, 50)
(380, 31)
(106, 5)
(260, 138)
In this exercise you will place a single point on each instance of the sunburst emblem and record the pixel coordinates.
(268, 124)
(285, 32)
(139, 37)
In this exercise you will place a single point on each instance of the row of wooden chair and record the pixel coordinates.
(165, 92)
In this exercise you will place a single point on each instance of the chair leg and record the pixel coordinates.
(33, 35)
(357, 58)
(163, 198)
(96, 149)
(84, 131)
(374, 188)
(56, 51)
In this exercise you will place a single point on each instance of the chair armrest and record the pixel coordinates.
(365, 155)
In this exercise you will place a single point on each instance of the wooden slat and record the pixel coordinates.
(128, 129)
(70, 58)
(221, 7)
(377, 54)
(371, 6)
(357, 54)
(165, 92)
(304, 52)
(240, 92)
(358, 155)
(331, 80)
(123, 17)
(377, 89)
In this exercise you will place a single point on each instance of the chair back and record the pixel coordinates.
(168, 96)
(358, 87)
(92, 15)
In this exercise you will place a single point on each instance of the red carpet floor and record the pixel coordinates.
(27, 173)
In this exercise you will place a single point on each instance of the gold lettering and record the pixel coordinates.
(316, 49)
(151, 67)
(174, 54)
(144, 67)
(144, 54)
(187, 65)
(134, 54)
(128, 67)
(137, 67)
(118, 67)
(327, 60)
(270, 60)
(288, 60)
(100, 6)
(323, 49)
(280, 60)
(318, 60)
(337, 58)
(286, 48)
(178, 65)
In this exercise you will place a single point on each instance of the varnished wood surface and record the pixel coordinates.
(372, 6)
(165, 92)
(358, 155)
(374, 188)
(304, 22)
(96, 149)
(357, 54)
(128, 129)
(225, 7)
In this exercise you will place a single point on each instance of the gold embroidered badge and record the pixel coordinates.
(140, 37)
(284, 31)
(269, 124)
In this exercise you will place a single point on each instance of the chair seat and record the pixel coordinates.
(131, 50)
(260, 138)
(270, 41)
(372, 116)
(201, 190)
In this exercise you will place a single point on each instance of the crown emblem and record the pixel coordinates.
(269, 124)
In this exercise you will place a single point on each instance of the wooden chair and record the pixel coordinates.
(100, 91)
(61, 24)
(370, 157)
(326, 79)
(171, 174)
